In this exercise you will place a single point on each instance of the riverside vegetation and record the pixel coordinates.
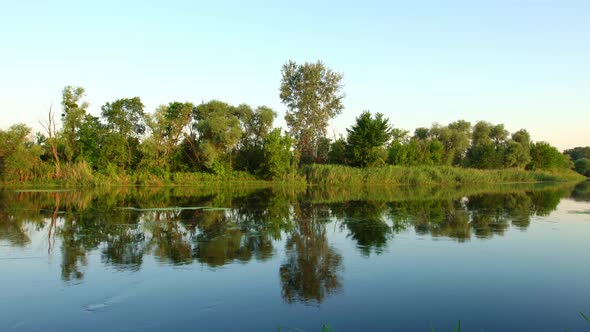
(215, 142)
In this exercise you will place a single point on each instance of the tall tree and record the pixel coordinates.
(167, 126)
(49, 127)
(518, 150)
(256, 125)
(455, 138)
(91, 141)
(125, 122)
(74, 110)
(312, 94)
(488, 145)
(218, 126)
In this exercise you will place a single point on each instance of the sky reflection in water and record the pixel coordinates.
(509, 258)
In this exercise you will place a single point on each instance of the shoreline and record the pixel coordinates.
(317, 175)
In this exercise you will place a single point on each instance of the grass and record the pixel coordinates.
(337, 194)
(338, 175)
(81, 175)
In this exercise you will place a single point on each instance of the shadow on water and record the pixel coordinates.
(181, 226)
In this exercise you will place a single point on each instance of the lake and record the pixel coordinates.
(503, 258)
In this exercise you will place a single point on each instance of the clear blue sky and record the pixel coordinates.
(523, 63)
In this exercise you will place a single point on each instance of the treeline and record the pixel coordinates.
(581, 158)
(372, 141)
(229, 141)
(180, 137)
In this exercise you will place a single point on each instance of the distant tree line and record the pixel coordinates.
(220, 138)
(581, 157)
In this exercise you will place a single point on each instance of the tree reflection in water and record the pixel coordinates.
(219, 227)
(311, 269)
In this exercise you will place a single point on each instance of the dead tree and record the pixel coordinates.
(49, 127)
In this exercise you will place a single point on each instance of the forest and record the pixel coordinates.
(214, 140)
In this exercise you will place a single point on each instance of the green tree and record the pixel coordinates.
(90, 140)
(255, 125)
(398, 150)
(455, 138)
(421, 149)
(545, 156)
(74, 111)
(278, 159)
(167, 125)
(337, 154)
(219, 129)
(518, 150)
(19, 156)
(578, 152)
(582, 166)
(312, 94)
(488, 146)
(366, 140)
(125, 124)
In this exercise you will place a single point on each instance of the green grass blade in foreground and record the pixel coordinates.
(327, 328)
(585, 317)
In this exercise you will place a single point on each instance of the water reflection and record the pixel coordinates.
(581, 192)
(311, 269)
(182, 226)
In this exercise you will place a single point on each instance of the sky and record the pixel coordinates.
(523, 63)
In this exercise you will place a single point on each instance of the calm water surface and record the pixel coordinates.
(406, 259)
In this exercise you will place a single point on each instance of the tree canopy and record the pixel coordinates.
(313, 95)
(366, 140)
(224, 139)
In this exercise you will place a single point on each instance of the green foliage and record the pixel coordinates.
(19, 156)
(278, 159)
(366, 140)
(582, 166)
(219, 138)
(312, 94)
(338, 175)
(167, 125)
(486, 156)
(125, 123)
(416, 152)
(581, 158)
(488, 146)
(256, 126)
(455, 138)
(337, 154)
(578, 152)
(327, 328)
(90, 142)
(518, 150)
(545, 156)
(74, 111)
(218, 125)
